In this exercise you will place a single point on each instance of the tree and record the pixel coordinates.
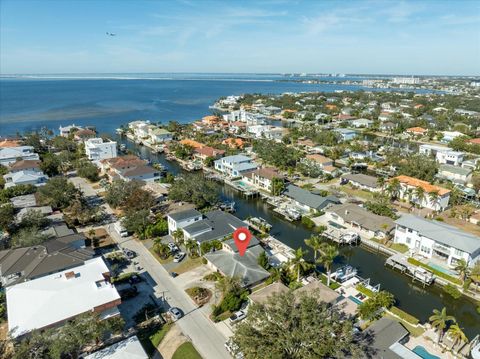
(161, 249)
(137, 222)
(178, 236)
(440, 321)
(192, 247)
(88, 170)
(129, 195)
(33, 218)
(159, 228)
(297, 264)
(228, 284)
(475, 274)
(293, 327)
(79, 212)
(434, 196)
(194, 188)
(316, 243)
(372, 307)
(328, 255)
(457, 335)
(462, 269)
(420, 195)
(58, 192)
(7, 215)
(278, 186)
(393, 188)
(27, 237)
(50, 164)
(262, 260)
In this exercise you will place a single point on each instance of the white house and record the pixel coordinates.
(52, 300)
(450, 135)
(235, 165)
(361, 123)
(140, 128)
(130, 348)
(437, 240)
(9, 155)
(36, 178)
(159, 135)
(454, 158)
(178, 220)
(408, 186)
(455, 174)
(96, 149)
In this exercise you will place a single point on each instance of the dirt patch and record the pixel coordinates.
(171, 342)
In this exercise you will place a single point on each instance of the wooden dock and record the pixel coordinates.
(399, 262)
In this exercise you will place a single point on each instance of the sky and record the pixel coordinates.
(278, 36)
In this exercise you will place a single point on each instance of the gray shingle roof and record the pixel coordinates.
(352, 213)
(363, 179)
(221, 223)
(386, 332)
(309, 199)
(441, 232)
(183, 215)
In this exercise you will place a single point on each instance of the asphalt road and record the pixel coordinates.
(195, 325)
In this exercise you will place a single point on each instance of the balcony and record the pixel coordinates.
(441, 248)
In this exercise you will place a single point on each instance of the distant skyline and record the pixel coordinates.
(277, 36)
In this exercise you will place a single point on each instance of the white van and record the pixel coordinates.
(120, 229)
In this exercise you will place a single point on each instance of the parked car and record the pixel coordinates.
(179, 257)
(175, 313)
(232, 348)
(129, 253)
(135, 279)
(238, 316)
(173, 247)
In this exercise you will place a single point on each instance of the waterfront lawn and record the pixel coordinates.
(414, 331)
(399, 247)
(186, 351)
(435, 271)
(334, 285)
(188, 264)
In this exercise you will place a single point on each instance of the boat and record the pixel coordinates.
(350, 238)
(344, 273)
(227, 206)
(123, 147)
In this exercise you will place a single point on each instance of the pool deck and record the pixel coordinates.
(429, 345)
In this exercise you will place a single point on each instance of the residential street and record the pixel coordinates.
(195, 324)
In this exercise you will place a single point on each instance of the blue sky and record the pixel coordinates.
(402, 37)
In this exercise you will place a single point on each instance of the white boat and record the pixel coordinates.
(349, 238)
(344, 273)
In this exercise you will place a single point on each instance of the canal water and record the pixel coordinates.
(411, 297)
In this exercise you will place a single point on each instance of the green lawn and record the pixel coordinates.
(188, 264)
(416, 332)
(186, 351)
(356, 192)
(151, 337)
(399, 247)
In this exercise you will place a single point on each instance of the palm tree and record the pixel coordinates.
(191, 246)
(434, 197)
(420, 195)
(298, 264)
(475, 274)
(228, 284)
(314, 242)
(161, 249)
(457, 335)
(329, 253)
(178, 236)
(463, 269)
(384, 299)
(381, 181)
(440, 321)
(394, 188)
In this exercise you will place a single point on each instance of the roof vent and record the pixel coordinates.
(70, 275)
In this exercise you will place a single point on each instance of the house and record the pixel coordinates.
(408, 187)
(385, 116)
(140, 173)
(263, 177)
(67, 130)
(139, 129)
(432, 239)
(455, 174)
(307, 200)
(129, 168)
(9, 142)
(474, 141)
(25, 177)
(129, 348)
(191, 143)
(343, 117)
(237, 127)
(180, 219)
(361, 220)
(320, 162)
(207, 152)
(96, 149)
(416, 131)
(346, 134)
(9, 155)
(230, 263)
(389, 337)
(387, 126)
(25, 165)
(362, 181)
(471, 164)
(450, 135)
(235, 166)
(214, 225)
(25, 201)
(442, 154)
(60, 297)
(234, 142)
(262, 295)
(361, 123)
(19, 265)
(159, 135)
(84, 134)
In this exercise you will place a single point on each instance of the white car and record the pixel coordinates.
(232, 348)
(175, 313)
(238, 316)
(173, 247)
(179, 257)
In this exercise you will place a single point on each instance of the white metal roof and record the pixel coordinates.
(126, 349)
(47, 300)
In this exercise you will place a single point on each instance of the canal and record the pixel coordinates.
(411, 297)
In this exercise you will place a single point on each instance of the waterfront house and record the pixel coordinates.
(96, 149)
(235, 166)
(361, 220)
(120, 163)
(129, 348)
(307, 200)
(363, 181)
(159, 135)
(25, 177)
(442, 154)
(346, 134)
(229, 262)
(407, 191)
(9, 155)
(18, 265)
(67, 130)
(205, 152)
(389, 337)
(214, 225)
(140, 173)
(455, 174)
(180, 219)
(129, 168)
(263, 177)
(60, 297)
(139, 129)
(83, 135)
(442, 242)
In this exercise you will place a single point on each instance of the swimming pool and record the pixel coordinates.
(419, 350)
(441, 269)
(356, 300)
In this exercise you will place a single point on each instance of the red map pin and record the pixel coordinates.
(242, 237)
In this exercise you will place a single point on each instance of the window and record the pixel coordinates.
(458, 252)
(425, 249)
(409, 240)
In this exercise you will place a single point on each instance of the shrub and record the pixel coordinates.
(204, 261)
(452, 290)
(308, 222)
(123, 277)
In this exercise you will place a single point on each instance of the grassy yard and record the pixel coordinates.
(399, 247)
(416, 332)
(356, 192)
(186, 351)
(188, 264)
(151, 338)
(160, 260)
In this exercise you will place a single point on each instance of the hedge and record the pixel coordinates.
(435, 271)
(123, 277)
(404, 315)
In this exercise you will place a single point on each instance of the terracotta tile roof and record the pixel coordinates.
(427, 186)
(24, 164)
(416, 130)
(329, 168)
(308, 143)
(124, 161)
(319, 158)
(209, 151)
(234, 142)
(238, 124)
(192, 143)
(343, 117)
(84, 133)
(9, 143)
(474, 141)
(210, 119)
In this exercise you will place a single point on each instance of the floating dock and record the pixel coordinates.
(400, 263)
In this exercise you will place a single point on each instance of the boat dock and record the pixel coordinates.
(399, 262)
(259, 224)
(277, 251)
(249, 191)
